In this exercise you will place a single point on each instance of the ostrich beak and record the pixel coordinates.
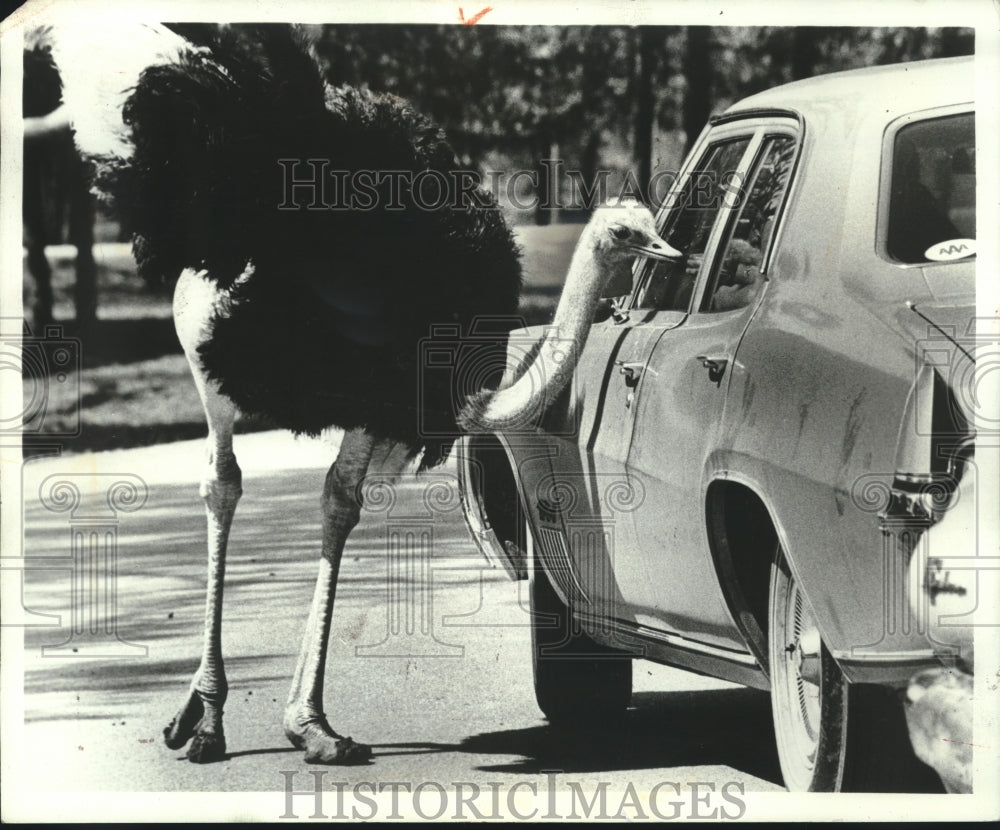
(656, 248)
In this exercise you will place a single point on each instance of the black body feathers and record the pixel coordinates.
(328, 303)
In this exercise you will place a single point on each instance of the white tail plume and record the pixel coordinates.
(100, 64)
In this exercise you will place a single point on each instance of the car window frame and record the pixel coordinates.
(666, 211)
(758, 127)
(775, 129)
(886, 163)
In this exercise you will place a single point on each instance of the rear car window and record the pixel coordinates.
(738, 276)
(932, 207)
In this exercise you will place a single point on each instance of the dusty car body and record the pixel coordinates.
(720, 488)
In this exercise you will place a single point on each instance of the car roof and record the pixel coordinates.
(834, 204)
(895, 89)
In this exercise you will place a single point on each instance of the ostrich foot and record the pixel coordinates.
(207, 748)
(322, 744)
(192, 722)
(185, 723)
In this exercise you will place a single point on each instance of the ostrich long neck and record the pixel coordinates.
(558, 351)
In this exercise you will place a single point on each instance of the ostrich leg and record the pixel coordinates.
(200, 718)
(201, 715)
(34, 232)
(81, 234)
(305, 723)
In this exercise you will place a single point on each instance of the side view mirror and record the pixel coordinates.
(613, 307)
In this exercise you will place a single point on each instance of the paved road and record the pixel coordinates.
(448, 702)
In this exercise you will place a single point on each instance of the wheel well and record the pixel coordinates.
(494, 485)
(743, 540)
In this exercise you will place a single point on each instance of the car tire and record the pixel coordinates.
(577, 681)
(832, 736)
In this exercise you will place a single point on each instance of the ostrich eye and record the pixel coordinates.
(621, 233)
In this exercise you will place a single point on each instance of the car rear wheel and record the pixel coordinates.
(577, 681)
(832, 736)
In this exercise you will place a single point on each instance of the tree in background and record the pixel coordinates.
(598, 97)
(697, 70)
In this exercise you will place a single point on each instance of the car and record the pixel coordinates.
(755, 441)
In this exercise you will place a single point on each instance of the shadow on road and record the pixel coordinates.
(119, 340)
(159, 604)
(725, 727)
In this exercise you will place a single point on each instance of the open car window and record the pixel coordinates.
(670, 285)
(932, 199)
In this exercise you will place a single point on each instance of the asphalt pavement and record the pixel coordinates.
(429, 658)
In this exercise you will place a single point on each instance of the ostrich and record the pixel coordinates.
(313, 318)
(54, 185)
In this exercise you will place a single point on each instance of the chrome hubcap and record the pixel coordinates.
(803, 670)
(806, 655)
(796, 675)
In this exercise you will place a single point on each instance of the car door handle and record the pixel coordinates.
(716, 366)
(632, 371)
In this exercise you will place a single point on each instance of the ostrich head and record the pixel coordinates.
(622, 230)
(617, 233)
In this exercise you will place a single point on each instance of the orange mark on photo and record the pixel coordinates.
(475, 18)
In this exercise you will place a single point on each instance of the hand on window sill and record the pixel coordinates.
(739, 278)
(740, 254)
(692, 265)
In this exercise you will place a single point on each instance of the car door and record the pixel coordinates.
(591, 494)
(600, 500)
(680, 403)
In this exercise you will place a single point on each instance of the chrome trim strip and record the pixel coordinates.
(556, 554)
(675, 640)
(884, 656)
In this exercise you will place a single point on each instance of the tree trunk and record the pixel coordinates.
(697, 69)
(805, 51)
(546, 205)
(954, 42)
(588, 163)
(650, 38)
